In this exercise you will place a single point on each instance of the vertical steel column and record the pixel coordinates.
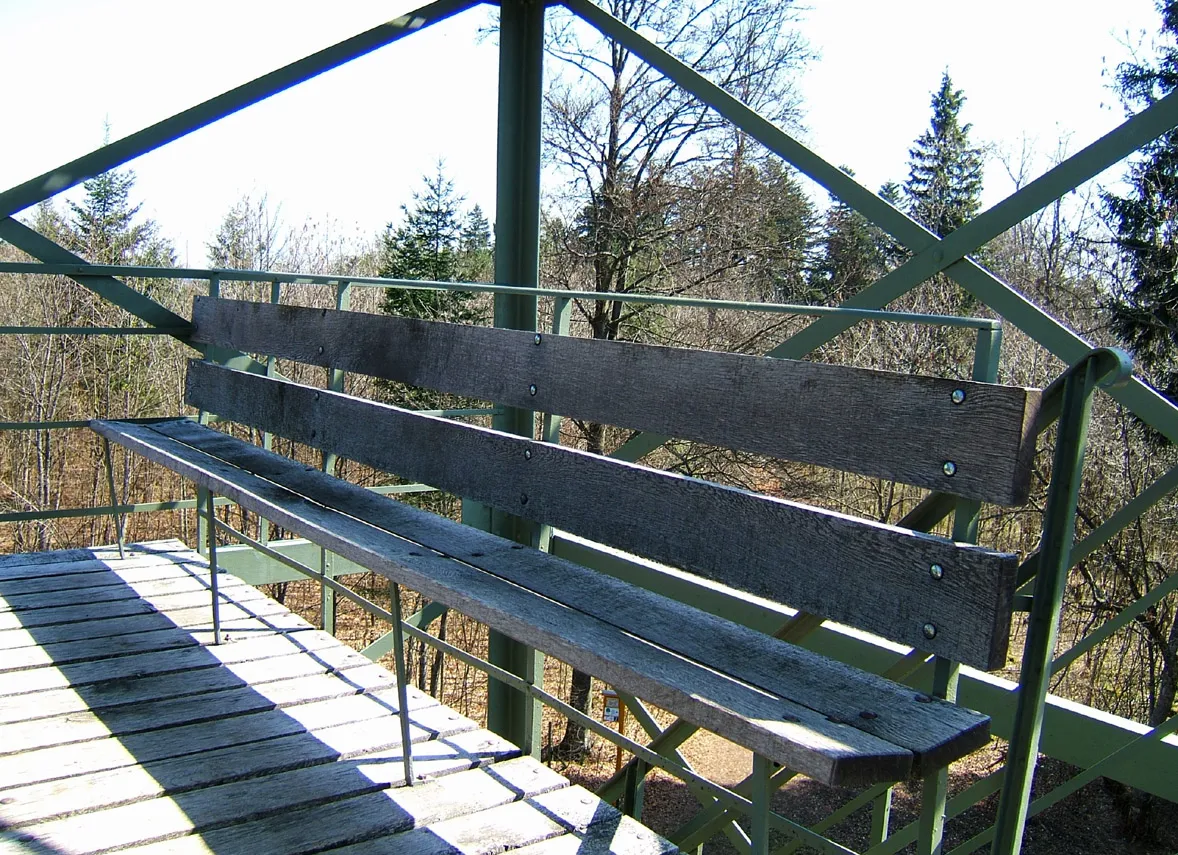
(114, 499)
(935, 791)
(213, 587)
(402, 684)
(202, 524)
(510, 713)
(1059, 529)
(267, 437)
(335, 382)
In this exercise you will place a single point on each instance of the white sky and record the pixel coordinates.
(352, 144)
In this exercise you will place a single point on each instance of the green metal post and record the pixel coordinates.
(114, 499)
(511, 713)
(761, 796)
(335, 382)
(212, 530)
(935, 792)
(267, 437)
(202, 495)
(1059, 527)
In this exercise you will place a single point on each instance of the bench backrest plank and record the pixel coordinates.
(880, 424)
(873, 576)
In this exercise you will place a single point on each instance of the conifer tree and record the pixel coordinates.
(944, 185)
(433, 243)
(1145, 310)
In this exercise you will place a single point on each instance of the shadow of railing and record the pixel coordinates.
(118, 727)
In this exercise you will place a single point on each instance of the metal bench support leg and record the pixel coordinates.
(212, 530)
(402, 684)
(762, 794)
(114, 498)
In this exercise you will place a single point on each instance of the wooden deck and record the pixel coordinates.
(123, 728)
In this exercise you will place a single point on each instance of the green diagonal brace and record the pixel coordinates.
(119, 152)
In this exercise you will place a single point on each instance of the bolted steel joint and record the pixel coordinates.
(958, 396)
(948, 467)
(930, 631)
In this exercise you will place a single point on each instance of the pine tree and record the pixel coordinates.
(431, 244)
(1145, 311)
(852, 252)
(944, 185)
(104, 226)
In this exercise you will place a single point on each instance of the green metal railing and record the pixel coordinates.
(1099, 744)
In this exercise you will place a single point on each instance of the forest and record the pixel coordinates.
(651, 193)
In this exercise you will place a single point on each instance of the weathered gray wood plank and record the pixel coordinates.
(330, 721)
(889, 425)
(931, 729)
(572, 811)
(140, 641)
(120, 670)
(386, 812)
(118, 589)
(105, 630)
(84, 793)
(89, 580)
(226, 804)
(192, 684)
(875, 576)
(787, 732)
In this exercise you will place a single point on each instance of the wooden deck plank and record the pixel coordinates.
(363, 817)
(83, 793)
(278, 741)
(154, 637)
(573, 813)
(120, 669)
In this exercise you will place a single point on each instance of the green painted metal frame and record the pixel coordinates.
(515, 306)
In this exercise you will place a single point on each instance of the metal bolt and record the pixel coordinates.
(532, 389)
(937, 572)
(316, 396)
(930, 631)
(527, 454)
(949, 467)
(958, 396)
(538, 338)
(321, 348)
(523, 498)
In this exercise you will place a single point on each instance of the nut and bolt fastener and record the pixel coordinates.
(937, 571)
(537, 339)
(958, 396)
(532, 389)
(527, 454)
(930, 631)
(949, 467)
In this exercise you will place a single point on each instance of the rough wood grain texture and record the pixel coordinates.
(792, 734)
(107, 629)
(884, 424)
(84, 793)
(117, 589)
(573, 811)
(41, 613)
(121, 670)
(872, 576)
(192, 684)
(163, 638)
(89, 580)
(390, 811)
(331, 722)
(934, 731)
(226, 804)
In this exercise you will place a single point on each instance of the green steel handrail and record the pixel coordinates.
(233, 275)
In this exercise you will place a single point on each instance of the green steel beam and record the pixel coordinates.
(513, 714)
(856, 314)
(119, 152)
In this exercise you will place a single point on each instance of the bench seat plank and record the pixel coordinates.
(874, 576)
(883, 424)
(795, 734)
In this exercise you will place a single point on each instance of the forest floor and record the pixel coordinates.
(1100, 818)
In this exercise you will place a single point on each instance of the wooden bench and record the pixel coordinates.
(828, 720)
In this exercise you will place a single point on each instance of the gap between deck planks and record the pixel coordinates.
(120, 730)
